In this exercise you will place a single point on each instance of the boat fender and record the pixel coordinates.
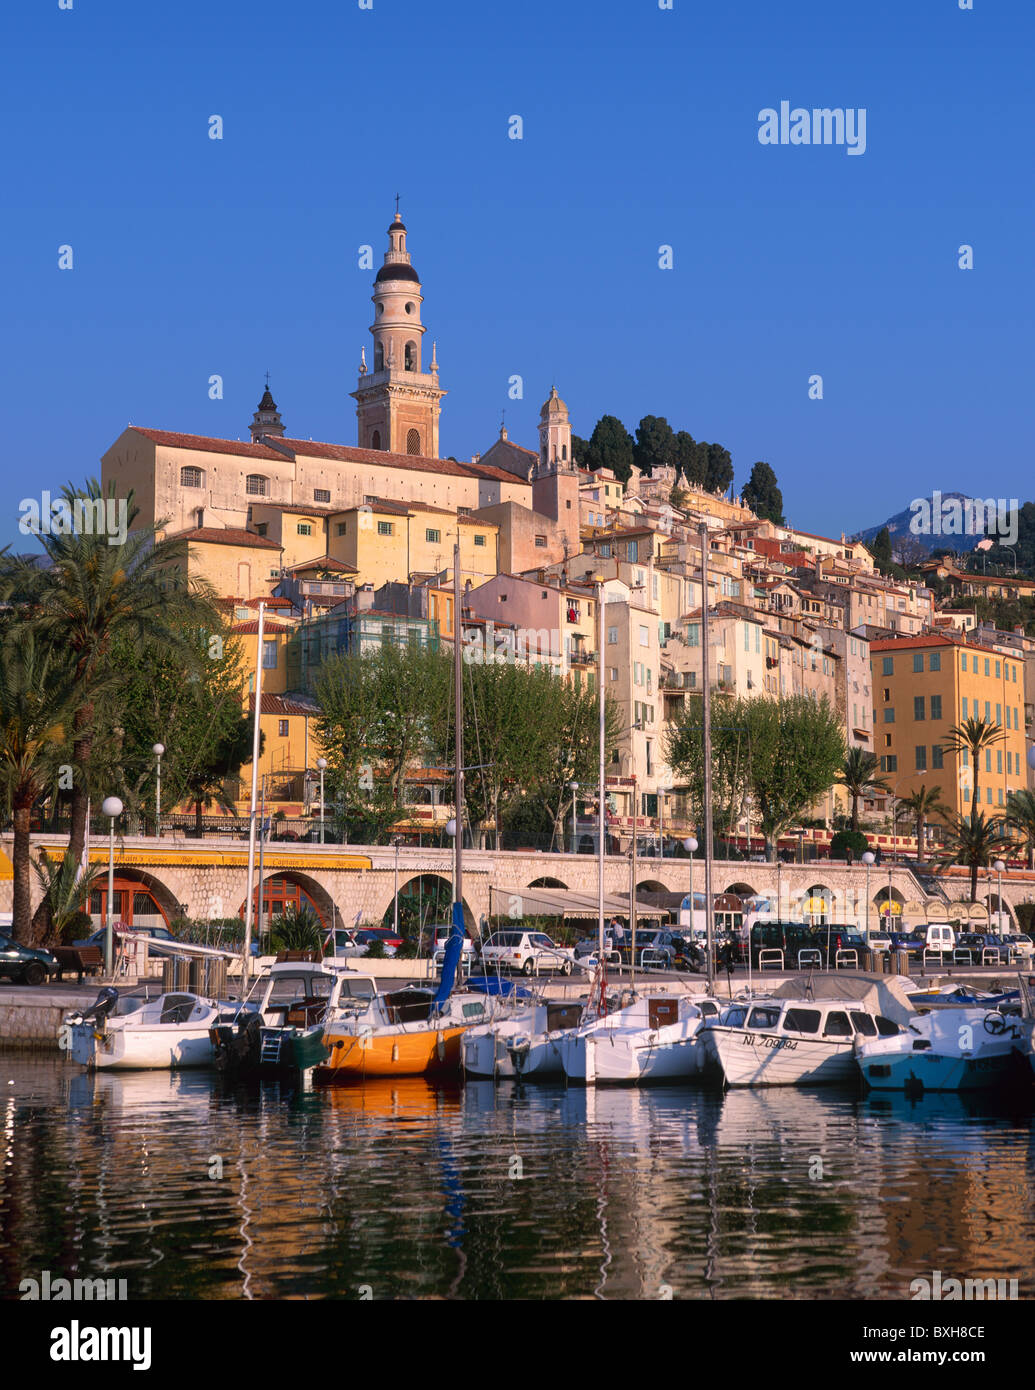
(395, 1052)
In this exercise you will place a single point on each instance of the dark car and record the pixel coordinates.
(27, 965)
(387, 938)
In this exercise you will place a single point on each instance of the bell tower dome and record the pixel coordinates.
(397, 403)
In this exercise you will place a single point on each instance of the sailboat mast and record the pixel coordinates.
(249, 904)
(458, 714)
(706, 750)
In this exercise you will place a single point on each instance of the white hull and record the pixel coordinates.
(624, 1048)
(747, 1058)
(514, 1048)
(164, 1047)
(948, 1050)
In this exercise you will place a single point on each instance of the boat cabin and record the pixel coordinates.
(829, 1019)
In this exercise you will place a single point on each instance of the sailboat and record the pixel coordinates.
(416, 1031)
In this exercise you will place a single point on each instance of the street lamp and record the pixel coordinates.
(321, 763)
(158, 749)
(690, 845)
(999, 866)
(574, 787)
(868, 859)
(112, 808)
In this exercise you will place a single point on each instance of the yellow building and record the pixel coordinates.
(922, 686)
(385, 542)
(237, 563)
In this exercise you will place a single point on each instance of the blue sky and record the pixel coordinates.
(539, 257)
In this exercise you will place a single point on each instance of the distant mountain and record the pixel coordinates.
(930, 533)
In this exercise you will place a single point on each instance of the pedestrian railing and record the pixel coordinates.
(963, 955)
(990, 955)
(810, 958)
(771, 959)
(846, 960)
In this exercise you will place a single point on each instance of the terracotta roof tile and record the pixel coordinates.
(284, 704)
(230, 535)
(202, 443)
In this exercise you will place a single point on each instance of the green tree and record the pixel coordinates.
(971, 737)
(859, 776)
(609, 446)
(379, 713)
(92, 592)
(718, 469)
(1020, 814)
(655, 444)
(691, 458)
(762, 494)
(880, 549)
(921, 805)
(65, 887)
(784, 752)
(973, 842)
(36, 708)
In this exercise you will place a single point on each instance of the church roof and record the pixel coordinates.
(396, 270)
(204, 444)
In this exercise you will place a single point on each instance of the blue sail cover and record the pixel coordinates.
(451, 959)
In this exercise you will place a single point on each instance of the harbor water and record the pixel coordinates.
(188, 1188)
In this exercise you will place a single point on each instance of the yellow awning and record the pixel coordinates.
(6, 868)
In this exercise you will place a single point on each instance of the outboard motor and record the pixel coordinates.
(101, 1007)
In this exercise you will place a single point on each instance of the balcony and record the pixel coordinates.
(581, 657)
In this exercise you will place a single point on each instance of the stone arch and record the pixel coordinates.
(425, 900)
(136, 882)
(898, 901)
(741, 890)
(652, 885)
(818, 905)
(288, 888)
(546, 882)
(375, 440)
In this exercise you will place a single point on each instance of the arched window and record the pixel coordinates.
(256, 485)
(379, 357)
(413, 441)
(375, 440)
(192, 477)
(411, 357)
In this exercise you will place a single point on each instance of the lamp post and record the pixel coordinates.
(574, 787)
(112, 808)
(321, 763)
(999, 866)
(868, 858)
(690, 845)
(158, 749)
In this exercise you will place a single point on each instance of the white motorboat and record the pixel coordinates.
(795, 1038)
(132, 1032)
(522, 1045)
(948, 1049)
(653, 1038)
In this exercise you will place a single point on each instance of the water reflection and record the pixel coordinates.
(190, 1188)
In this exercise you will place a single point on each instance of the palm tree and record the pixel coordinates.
(93, 592)
(36, 695)
(920, 805)
(972, 841)
(65, 886)
(1020, 813)
(970, 737)
(860, 778)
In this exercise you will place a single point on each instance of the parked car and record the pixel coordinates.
(654, 947)
(388, 939)
(440, 935)
(978, 942)
(342, 942)
(1021, 946)
(26, 965)
(98, 937)
(527, 951)
(586, 951)
(878, 940)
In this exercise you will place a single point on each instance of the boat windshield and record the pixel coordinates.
(766, 1017)
(357, 989)
(285, 989)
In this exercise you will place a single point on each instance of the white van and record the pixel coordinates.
(939, 937)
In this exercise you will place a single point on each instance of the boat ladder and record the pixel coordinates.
(270, 1052)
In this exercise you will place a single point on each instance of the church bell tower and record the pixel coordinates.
(397, 403)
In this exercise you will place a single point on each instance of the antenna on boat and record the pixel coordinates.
(249, 904)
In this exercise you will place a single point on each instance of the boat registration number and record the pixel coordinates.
(754, 1040)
